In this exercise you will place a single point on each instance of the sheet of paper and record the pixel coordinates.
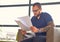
(24, 22)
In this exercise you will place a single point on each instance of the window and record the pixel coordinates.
(10, 2)
(9, 14)
(44, 1)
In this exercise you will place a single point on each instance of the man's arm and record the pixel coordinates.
(49, 25)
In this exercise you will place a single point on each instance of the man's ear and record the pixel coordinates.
(40, 10)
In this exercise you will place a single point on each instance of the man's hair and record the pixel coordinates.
(37, 4)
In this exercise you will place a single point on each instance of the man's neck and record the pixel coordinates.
(38, 17)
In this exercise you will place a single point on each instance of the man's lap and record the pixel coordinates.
(36, 39)
(39, 37)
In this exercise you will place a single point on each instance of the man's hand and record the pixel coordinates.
(23, 32)
(42, 30)
(34, 29)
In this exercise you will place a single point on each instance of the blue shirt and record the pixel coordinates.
(42, 21)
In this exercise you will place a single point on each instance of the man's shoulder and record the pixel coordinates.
(45, 14)
(33, 17)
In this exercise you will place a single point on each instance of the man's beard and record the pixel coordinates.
(38, 15)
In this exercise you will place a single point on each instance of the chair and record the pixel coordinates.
(49, 37)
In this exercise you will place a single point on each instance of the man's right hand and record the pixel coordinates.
(34, 29)
(23, 32)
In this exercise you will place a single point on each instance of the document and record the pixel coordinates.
(24, 22)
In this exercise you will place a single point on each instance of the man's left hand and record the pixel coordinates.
(42, 30)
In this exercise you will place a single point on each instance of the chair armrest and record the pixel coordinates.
(19, 36)
(50, 35)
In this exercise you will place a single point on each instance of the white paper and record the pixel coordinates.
(24, 23)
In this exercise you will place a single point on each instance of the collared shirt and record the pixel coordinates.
(43, 21)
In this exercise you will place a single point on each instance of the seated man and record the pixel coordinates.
(41, 21)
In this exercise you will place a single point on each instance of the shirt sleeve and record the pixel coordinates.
(48, 18)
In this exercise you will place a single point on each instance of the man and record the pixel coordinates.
(42, 22)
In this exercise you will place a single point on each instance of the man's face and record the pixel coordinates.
(36, 10)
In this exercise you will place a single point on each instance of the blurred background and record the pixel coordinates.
(11, 9)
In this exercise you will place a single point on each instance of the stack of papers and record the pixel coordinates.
(24, 23)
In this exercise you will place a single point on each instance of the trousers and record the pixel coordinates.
(37, 38)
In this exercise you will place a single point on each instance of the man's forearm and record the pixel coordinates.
(50, 25)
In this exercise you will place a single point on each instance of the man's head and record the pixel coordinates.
(36, 9)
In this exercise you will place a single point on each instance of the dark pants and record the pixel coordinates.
(28, 40)
(37, 38)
